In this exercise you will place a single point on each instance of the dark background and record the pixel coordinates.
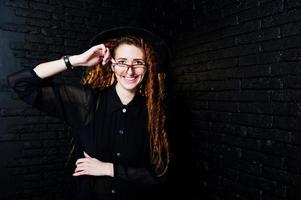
(234, 92)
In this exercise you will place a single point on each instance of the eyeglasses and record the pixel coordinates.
(138, 68)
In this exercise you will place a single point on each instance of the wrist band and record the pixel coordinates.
(67, 62)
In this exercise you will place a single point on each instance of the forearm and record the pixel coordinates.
(52, 68)
(89, 58)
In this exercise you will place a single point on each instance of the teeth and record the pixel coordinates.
(129, 78)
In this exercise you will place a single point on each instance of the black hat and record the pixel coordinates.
(161, 49)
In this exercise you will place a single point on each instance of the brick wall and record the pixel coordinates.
(34, 147)
(236, 79)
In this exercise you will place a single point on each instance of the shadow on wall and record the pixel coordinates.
(179, 182)
(187, 172)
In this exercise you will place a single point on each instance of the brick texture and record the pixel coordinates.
(236, 94)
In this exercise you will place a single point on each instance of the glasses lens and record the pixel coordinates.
(140, 68)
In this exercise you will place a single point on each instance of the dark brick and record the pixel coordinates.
(287, 123)
(284, 43)
(293, 193)
(239, 7)
(18, 28)
(217, 86)
(250, 14)
(282, 18)
(73, 4)
(33, 14)
(291, 29)
(32, 144)
(289, 56)
(269, 34)
(223, 106)
(252, 70)
(278, 175)
(293, 166)
(27, 46)
(247, 38)
(46, 7)
(270, 134)
(43, 40)
(292, 3)
(288, 68)
(286, 109)
(247, 27)
(271, 7)
(29, 136)
(17, 3)
(254, 120)
(234, 51)
(38, 22)
(247, 167)
(261, 83)
(253, 107)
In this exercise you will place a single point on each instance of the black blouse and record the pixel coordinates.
(104, 128)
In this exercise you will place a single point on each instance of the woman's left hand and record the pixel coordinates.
(92, 167)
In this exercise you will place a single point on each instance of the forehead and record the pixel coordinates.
(129, 51)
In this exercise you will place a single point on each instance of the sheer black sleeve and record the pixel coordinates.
(136, 179)
(66, 102)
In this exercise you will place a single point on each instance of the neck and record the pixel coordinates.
(125, 95)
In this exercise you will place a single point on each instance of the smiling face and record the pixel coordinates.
(130, 68)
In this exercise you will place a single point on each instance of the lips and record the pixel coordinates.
(131, 79)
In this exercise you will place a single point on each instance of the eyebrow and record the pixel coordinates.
(133, 59)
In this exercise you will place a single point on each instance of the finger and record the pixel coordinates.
(81, 160)
(106, 57)
(80, 168)
(98, 49)
(86, 155)
(112, 60)
(79, 173)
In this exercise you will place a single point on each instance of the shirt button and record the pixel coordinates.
(118, 154)
(121, 132)
(124, 110)
(113, 191)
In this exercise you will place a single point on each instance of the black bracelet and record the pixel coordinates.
(67, 62)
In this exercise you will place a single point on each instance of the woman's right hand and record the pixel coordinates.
(91, 57)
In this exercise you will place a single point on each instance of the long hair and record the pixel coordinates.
(152, 87)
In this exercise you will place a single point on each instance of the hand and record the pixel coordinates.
(92, 56)
(93, 167)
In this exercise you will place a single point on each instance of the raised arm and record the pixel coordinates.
(89, 58)
(67, 102)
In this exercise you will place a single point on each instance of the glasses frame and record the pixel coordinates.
(133, 67)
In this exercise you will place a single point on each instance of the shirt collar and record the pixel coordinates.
(114, 102)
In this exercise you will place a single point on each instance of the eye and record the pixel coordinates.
(121, 61)
(139, 62)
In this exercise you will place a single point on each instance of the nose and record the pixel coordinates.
(130, 70)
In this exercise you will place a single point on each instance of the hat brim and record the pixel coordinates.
(158, 44)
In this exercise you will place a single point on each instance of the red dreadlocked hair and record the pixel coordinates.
(152, 87)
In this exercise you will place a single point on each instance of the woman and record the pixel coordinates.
(117, 116)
